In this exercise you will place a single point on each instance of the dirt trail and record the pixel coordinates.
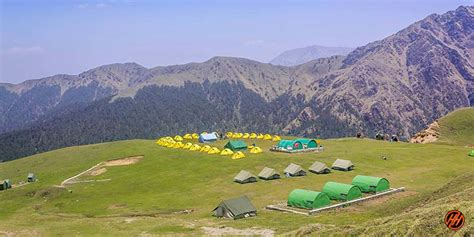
(213, 231)
(99, 169)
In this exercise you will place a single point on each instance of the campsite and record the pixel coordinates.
(153, 195)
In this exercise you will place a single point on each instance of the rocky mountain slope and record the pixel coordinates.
(405, 81)
(396, 85)
(299, 56)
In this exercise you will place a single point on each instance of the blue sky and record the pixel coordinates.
(41, 38)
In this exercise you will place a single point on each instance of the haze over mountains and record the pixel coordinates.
(396, 85)
(299, 56)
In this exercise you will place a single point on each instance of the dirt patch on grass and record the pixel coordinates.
(99, 168)
(117, 206)
(97, 172)
(123, 161)
(233, 231)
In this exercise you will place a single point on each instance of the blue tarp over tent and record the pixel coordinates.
(209, 137)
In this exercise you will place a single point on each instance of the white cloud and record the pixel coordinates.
(24, 50)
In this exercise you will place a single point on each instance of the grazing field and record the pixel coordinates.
(174, 190)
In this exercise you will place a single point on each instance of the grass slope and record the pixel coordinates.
(147, 197)
(458, 127)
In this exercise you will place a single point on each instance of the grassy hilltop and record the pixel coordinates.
(155, 195)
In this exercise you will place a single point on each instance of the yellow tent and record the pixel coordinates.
(168, 138)
(260, 136)
(205, 148)
(195, 136)
(227, 152)
(238, 135)
(276, 138)
(267, 137)
(170, 143)
(188, 136)
(250, 147)
(238, 155)
(195, 147)
(187, 145)
(178, 145)
(229, 134)
(178, 138)
(318, 142)
(256, 150)
(246, 135)
(253, 135)
(213, 150)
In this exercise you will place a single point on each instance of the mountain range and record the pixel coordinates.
(395, 85)
(299, 56)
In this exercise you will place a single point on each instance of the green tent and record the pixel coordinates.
(290, 145)
(5, 184)
(340, 191)
(235, 208)
(294, 170)
(319, 168)
(307, 199)
(308, 143)
(244, 177)
(370, 184)
(269, 174)
(31, 177)
(471, 153)
(236, 145)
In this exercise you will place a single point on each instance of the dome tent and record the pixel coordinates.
(267, 137)
(178, 138)
(238, 155)
(276, 138)
(256, 150)
(370, 184)
(471, 153)
(214, 150)
(178, 145)
(226, 152)
(187, 145)
(340, 191)
(195, 147)
(188, 136)
(253, 135)
(307, 199)
(205, 148)
(246, 135)
(195, 136)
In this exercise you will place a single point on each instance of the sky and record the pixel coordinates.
(42, 38)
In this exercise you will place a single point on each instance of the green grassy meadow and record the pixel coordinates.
(149, 197)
